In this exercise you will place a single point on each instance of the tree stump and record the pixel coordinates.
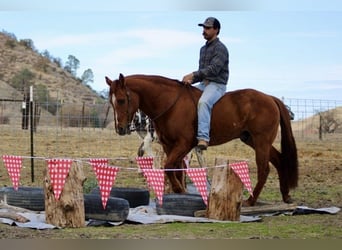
(225, 198)
(68, 211)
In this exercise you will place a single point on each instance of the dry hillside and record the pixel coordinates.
(331, 118)
(15, 57)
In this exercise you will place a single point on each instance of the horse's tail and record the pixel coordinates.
(288, 156)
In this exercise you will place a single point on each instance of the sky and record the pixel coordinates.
(290, 49)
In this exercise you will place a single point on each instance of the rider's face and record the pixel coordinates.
(209, 33)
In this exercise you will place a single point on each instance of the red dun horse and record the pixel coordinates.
(252, 116)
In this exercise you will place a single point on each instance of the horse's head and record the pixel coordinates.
(124, 104)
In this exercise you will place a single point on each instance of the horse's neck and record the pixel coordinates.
(154, 98)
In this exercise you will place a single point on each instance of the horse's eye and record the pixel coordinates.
(121, 101)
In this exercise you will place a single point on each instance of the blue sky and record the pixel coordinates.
(290, 50)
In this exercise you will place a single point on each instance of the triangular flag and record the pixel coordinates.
(199, 177)
(105, 176)
(144, 162)
(98, 161)
(155, 180)
(241, 169)
(58, 170)
(13, 165)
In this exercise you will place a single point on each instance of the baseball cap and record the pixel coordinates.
(211, 22)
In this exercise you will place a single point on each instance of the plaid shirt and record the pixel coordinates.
(213, 63)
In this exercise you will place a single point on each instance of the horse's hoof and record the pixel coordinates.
(288, 200)
(247, 203)
(178, 190)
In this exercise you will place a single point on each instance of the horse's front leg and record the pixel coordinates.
(176, 177)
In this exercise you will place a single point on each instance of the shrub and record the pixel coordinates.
(4, 119)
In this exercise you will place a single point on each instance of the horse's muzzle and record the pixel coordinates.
(123, 130)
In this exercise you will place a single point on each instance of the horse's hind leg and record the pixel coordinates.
(284, 188)
(262, 152)
(274, 158)
(262, 174)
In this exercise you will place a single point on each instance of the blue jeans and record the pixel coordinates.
(211, 94)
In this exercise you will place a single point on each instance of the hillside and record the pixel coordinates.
(61, 85)
(332, 120)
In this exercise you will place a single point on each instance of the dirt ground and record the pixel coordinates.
(320, 185)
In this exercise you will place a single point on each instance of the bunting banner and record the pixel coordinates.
(199, 177)
(155, 180)
(145, 162)
(13, 165)
(241, 169)
(98, 161)
(58, 170)
(105, 176)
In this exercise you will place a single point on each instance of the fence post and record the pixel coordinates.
(31, 133)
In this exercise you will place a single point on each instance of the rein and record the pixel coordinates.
(166, 110)
(128, 96)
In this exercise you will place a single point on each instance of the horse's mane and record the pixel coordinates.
(155, 78)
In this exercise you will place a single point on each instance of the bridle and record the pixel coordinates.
(128, 98)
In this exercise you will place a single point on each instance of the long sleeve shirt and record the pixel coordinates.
(213, 63)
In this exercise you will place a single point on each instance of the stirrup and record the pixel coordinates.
(202, 145)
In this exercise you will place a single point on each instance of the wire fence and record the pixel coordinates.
(86, 130)
(89, 129)
(315, 118)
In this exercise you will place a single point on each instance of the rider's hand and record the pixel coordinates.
(188, 79)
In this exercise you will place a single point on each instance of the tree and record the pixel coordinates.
(328, 123)
(57, 61)
(44, 99)
(72, 65)
(27, 43)
(87, 77)
(24, 76)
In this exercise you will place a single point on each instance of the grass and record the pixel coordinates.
(275, 227)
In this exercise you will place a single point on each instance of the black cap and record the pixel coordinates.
(211, 22)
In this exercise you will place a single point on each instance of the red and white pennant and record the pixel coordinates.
(155, 180)
(199, 177)
(154, 177)
(105, 175)
(241, 169)
(58, 171)
(145, 162)
(13, 164)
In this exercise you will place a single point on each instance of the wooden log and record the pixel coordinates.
(258, 209)
(68, 211)
(268, 208)
(225, 198)
(14, 216)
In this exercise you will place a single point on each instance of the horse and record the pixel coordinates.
(142, 124)
(248, 114)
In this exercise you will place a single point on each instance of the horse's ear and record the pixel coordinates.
(121, 80)
(109, 82)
